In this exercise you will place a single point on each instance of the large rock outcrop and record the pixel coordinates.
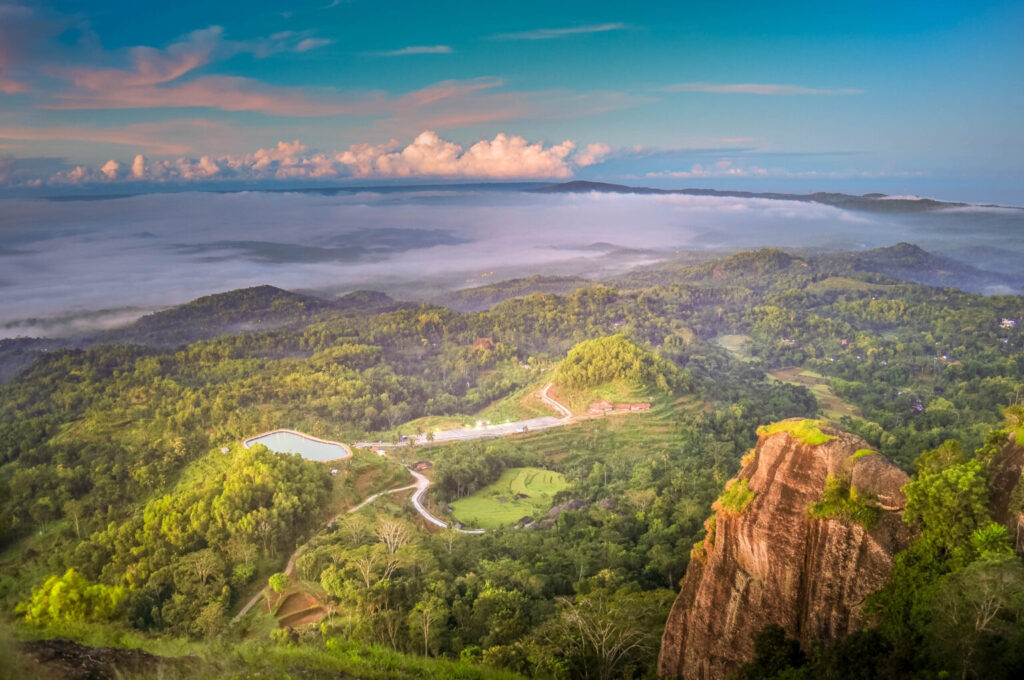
(770, 560)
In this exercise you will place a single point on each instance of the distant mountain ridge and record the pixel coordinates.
(873, 202)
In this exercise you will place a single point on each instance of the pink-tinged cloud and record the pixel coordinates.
(428, 155)
(227, 93)
(8, 86)
(593, 153)
(142, 135)
(756, 88)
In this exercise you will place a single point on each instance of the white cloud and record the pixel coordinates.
(503, 157)
(726, 168)
(307, 44)
(756, 88)
(413, 49)
(552, 33)
(593, 153)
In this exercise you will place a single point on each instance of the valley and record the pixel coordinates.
(506, 471)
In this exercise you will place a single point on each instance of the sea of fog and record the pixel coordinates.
(76, 265)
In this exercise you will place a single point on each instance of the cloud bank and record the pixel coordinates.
(428, 155)
(71, 258)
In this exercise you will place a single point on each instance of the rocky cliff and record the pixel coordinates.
(800, 538)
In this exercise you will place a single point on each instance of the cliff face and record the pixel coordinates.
(772, 562)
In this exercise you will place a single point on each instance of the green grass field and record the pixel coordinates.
(833, 407)
(736, 345)
(496, 504)
(616, 392)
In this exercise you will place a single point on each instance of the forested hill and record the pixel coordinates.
(760, 269)
(866, 202)
(129, 508)
(479, 298)
(260, 308)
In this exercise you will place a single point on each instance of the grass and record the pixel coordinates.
(833, 406)
(841, 499)
(320, 658)
(737, 345)
(736, 497)
(806, 430)
(617, 392)
(496, 504)
(860, 453)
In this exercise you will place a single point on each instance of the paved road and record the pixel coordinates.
(486, 431)
(422, 484)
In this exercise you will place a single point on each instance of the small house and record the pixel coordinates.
(603, 406)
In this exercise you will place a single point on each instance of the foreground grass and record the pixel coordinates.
(332, 657)
(497, 504)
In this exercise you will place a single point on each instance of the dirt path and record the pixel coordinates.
(290, 567)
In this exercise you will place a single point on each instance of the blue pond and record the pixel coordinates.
(283, 441)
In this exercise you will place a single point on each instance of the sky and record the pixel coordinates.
(919, 98)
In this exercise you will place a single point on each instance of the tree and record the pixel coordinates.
(74, 509)
(425, 617)
(604, 632)
(393, 533)
(977, 617)
(72, 598)
(278, 582)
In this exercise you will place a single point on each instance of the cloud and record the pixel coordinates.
(593, 153)
(428, 155)
(756, 88)
(156, 138)
(152, 78)
(552, 33)
(308, 44)
(503, 157)
(725, 168)
(413, 49)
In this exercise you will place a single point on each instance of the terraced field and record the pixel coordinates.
(519, 492)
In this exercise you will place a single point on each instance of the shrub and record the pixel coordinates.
(736, 496)
(807, 430)
(841, 499)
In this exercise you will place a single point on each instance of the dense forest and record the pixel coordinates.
(129, 506)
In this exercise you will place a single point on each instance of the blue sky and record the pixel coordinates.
(917, 97)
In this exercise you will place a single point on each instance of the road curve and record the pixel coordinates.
(422, 484)
(566, 413)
